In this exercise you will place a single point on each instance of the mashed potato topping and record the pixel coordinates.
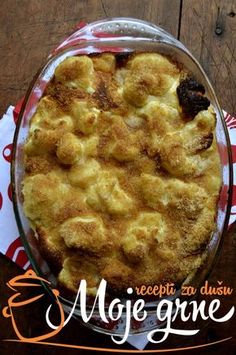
(122, 173)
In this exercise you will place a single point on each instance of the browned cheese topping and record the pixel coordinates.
(122, 173)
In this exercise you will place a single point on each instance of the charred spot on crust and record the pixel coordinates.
(102, 97)
(122, 59)
(205, 142)
(63, 96)
(190, 94)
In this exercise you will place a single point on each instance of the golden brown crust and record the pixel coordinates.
(118, 183)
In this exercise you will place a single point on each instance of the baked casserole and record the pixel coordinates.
(122, 172)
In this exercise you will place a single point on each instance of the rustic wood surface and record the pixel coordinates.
(29, 30)
(208, 29)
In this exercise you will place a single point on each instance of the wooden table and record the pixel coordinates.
(29, 30)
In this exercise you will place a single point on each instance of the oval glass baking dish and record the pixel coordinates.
(118, 35)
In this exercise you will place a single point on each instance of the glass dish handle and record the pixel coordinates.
(119, 27)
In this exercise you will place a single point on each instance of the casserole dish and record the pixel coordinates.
(118, 35)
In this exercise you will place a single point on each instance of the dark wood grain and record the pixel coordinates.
(208, 29)
(31, 29)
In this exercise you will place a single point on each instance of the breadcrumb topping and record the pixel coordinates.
(118, 183)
